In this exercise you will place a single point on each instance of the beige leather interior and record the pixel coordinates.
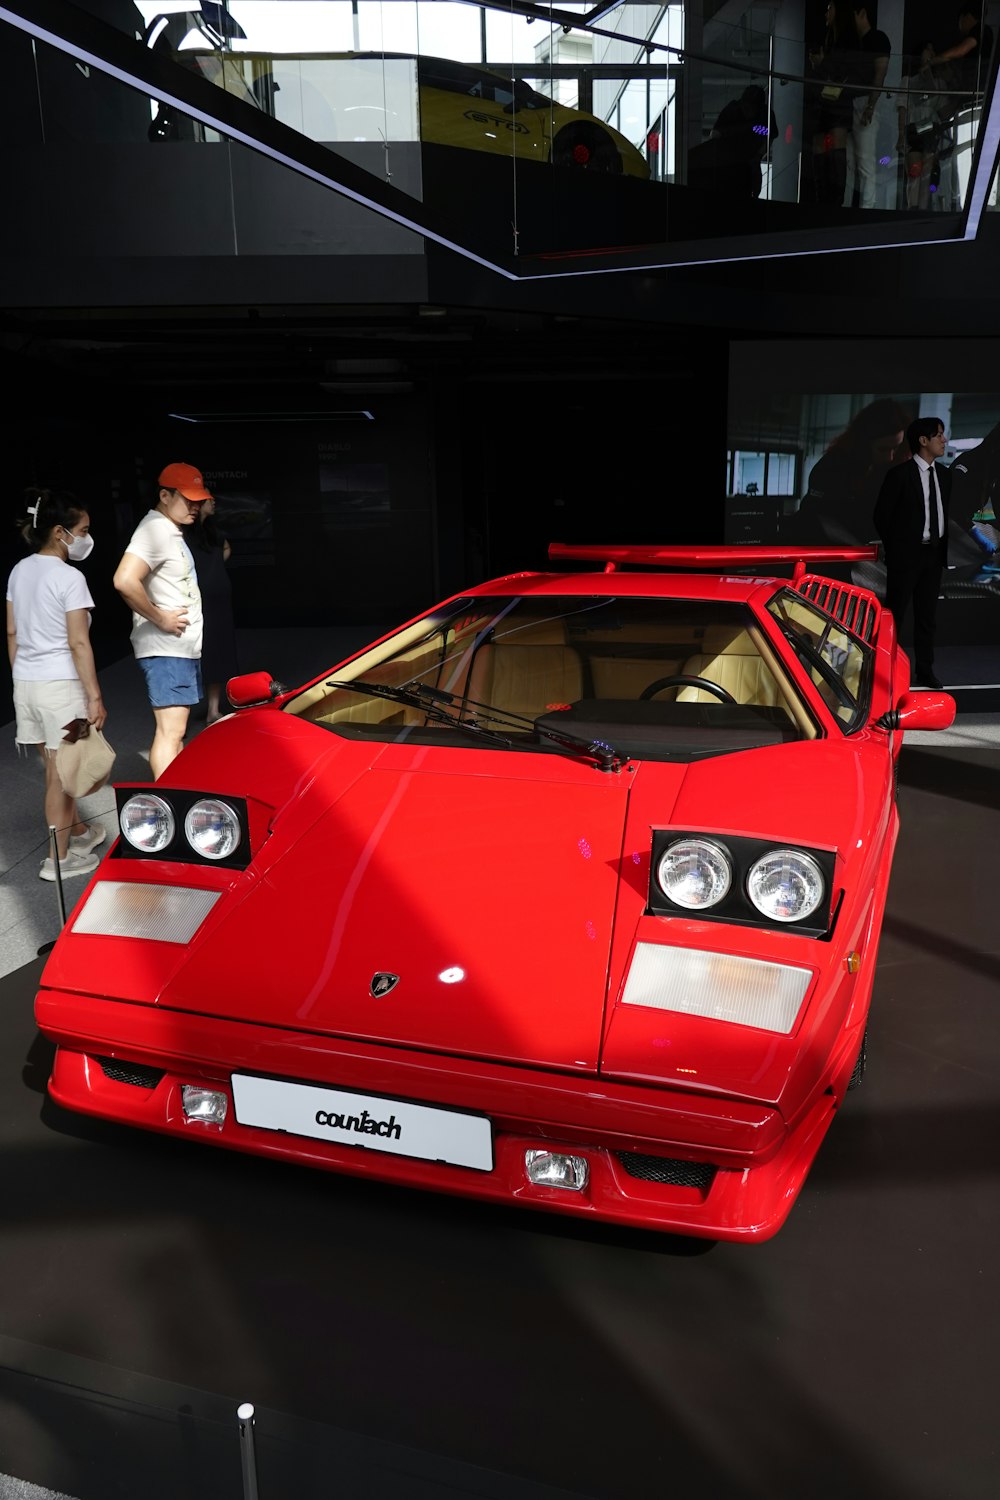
(734, 663)
(335, 707)
(852, 676)
(627, 677)
(526, 670)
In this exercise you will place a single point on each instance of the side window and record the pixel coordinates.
(833, 658)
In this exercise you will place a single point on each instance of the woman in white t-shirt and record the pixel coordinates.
(52, 661)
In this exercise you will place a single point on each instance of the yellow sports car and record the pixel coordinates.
(475, 107)
(370, 96)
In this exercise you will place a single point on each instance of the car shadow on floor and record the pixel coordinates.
(969, 775)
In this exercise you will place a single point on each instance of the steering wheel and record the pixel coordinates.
(682, 679)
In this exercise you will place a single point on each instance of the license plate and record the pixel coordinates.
(366, 1120)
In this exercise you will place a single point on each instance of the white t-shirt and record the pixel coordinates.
(42, 591)
(171, 583)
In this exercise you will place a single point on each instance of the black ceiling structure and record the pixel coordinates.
(320, 332)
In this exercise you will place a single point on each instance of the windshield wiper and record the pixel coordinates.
(607, 757)
(428, 701)
(438, 705)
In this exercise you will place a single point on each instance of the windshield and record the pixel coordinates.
(660, 679)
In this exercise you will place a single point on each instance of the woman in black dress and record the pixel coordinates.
(211, 552)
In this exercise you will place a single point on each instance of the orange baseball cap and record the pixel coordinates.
(187, 480)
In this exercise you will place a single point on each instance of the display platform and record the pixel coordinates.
(404, 1345)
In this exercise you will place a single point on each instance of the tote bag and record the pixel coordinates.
(84, 759)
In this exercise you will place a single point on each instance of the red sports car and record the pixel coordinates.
(567, 894)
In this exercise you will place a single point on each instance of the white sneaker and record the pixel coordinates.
(84, 842)
(73, 864)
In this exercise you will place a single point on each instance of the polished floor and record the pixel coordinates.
(409, 1346)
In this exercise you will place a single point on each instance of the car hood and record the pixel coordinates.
(483, 884)
(464, 901)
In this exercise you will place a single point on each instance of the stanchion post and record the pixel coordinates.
(248, 1457)
(54, 854)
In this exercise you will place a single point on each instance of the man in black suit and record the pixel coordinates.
(911, 517)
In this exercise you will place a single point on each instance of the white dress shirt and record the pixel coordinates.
(929, 480)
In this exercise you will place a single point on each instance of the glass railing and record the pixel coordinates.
(526, 141)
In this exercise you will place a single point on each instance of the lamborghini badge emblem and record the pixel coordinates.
(382, 983)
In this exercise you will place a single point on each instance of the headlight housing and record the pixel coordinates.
(695, 873)
(212, 828)
(184, 826)
(148, 823)
(786, 885)
(751, 882)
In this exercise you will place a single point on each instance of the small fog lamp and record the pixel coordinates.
(204, 1106)
(553, 1169)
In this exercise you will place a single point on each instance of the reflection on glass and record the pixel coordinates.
(728, 135)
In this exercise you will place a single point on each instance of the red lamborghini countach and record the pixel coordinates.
(565, 894)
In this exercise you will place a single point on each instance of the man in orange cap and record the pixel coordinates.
(158, 581)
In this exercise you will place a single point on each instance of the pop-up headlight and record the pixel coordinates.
(147, 822)
(212, 828)
(695, 873)
(178, 825)
(786, 885)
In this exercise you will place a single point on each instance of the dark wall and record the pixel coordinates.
(330, 523)
(370, 521)
(629, 460)
(47, 96)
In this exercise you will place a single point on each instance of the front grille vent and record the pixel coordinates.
(666, 1170)
(137, 1074)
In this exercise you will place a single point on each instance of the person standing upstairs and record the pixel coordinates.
(871, 66)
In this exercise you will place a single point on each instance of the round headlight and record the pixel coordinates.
(786, 885)
(147, 822)
(212, 829)
(695, 873)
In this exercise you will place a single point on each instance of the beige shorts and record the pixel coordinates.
(43, 709)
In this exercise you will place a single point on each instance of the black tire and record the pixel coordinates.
(586, 147)
(858, 1071)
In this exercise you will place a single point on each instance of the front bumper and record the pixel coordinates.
(732, 1168)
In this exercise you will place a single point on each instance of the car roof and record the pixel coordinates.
(733, 588)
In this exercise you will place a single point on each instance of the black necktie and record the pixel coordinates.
(934, 530)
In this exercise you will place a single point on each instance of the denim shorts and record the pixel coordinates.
(172, 681)
(43, 709)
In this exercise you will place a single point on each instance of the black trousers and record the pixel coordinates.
(914, 578)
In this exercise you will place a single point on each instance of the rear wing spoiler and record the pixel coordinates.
(857, 609)
(649, 556)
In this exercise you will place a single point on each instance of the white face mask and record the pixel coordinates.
(79, 547)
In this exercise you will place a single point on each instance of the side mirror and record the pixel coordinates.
(920, 711)
(253, 688)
